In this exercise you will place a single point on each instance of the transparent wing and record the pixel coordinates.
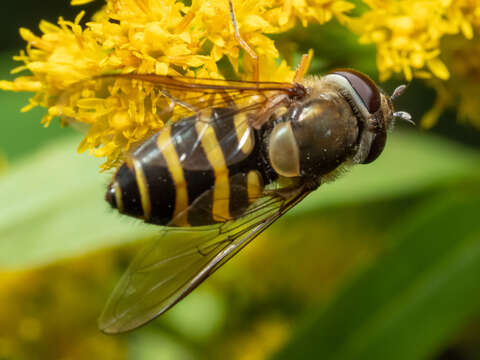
(167, 96)
(194, 94)
(226, 108)
(170, 268)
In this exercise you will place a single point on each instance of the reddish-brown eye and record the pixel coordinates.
(364, 87)
(378, 143)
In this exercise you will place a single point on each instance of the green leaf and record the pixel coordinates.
(53, 207)
(21, 133)
(148, 345)
(409, 303)
(410, 163)
(199, 316)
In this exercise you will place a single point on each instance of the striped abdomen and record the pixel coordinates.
(197, 171)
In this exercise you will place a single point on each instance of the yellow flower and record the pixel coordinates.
(155, 37)
(408, 33)
(461, 56)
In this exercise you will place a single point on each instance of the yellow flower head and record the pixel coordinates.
(155, 37)
(461, 56)
(408, 33)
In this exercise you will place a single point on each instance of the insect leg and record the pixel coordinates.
(303, 66)
(253, 55)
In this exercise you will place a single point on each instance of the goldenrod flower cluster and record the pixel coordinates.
(150, 36)
(408, 33)
(429, 39)
(168, 37)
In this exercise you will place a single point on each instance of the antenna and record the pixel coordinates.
(398, 91)
(405, 116)
(402, 115)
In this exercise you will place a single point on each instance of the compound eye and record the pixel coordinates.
(364, 87)
(378, 143)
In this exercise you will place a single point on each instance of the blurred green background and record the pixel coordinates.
(382, 264)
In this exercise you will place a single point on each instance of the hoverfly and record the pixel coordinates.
(244, 154)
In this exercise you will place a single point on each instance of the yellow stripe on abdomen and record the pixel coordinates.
(166, 146)
(254, 186)
(142, 189)
(221, 190)
(118, 196)
(244, 133)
